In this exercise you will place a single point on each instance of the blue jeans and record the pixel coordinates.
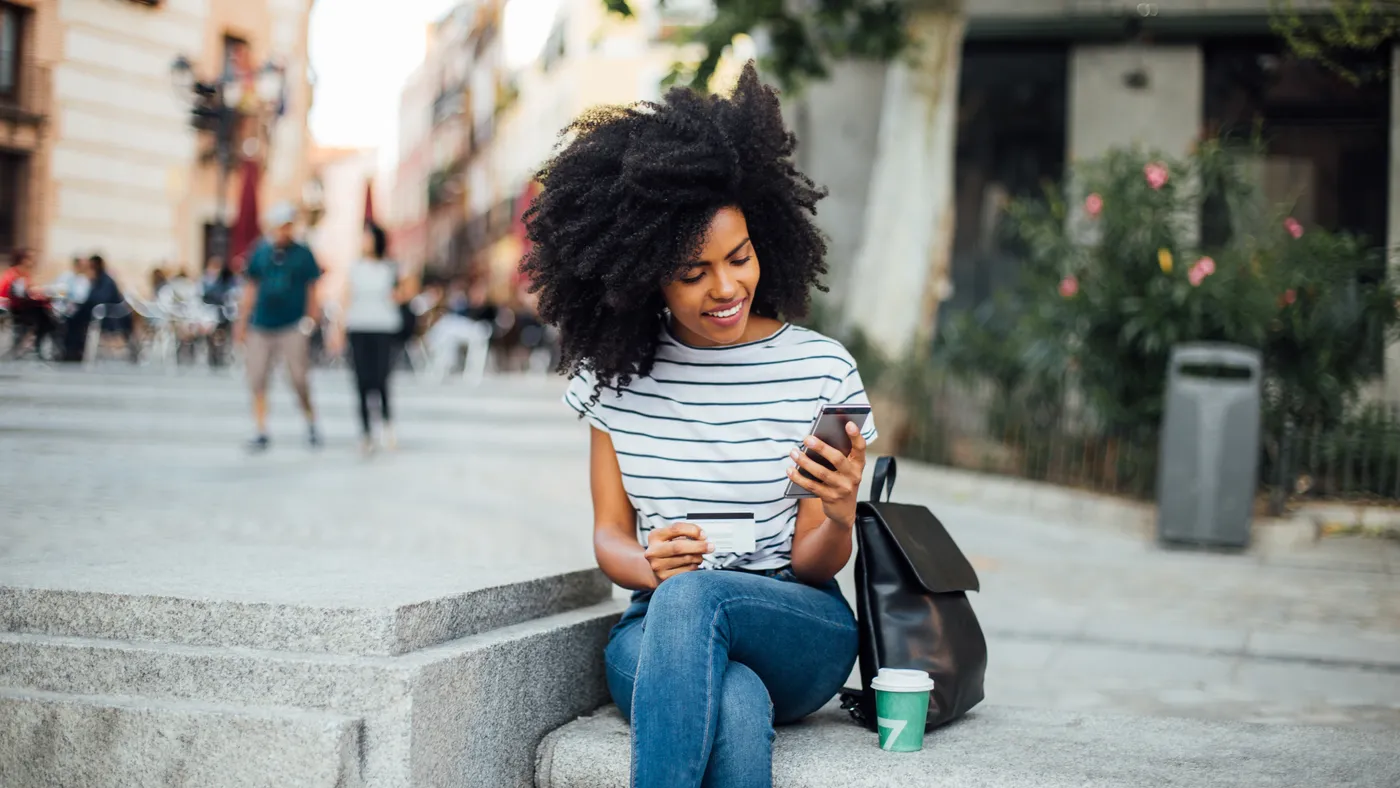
(706, 664)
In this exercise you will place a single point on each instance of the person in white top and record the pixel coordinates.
(673, 243)
(373, 294)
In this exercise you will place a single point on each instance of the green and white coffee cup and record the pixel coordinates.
(901, 708)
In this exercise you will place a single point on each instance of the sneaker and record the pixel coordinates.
(366, 446)
(313, 438)
(386, 436)
(259, 444)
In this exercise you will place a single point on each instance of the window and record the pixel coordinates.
(237, 56)
(1012, 102)
(13, 180)
(1326, 141)
(11, 26)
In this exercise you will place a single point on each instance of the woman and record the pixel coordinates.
(216, 290)
(102, 290)
(29, 305)
(648, 238)
(373, 294)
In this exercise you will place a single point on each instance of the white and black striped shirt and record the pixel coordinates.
(711, 428)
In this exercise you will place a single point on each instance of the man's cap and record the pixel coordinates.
(281, 214)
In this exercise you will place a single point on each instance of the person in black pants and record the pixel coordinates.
(373, 294)
(104, 291)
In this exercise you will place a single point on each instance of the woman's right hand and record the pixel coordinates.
(675, 549)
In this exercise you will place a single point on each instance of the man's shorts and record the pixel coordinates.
(265, 347)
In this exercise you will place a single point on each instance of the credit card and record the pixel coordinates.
(731, 532)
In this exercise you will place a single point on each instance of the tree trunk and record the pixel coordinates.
(901, 272)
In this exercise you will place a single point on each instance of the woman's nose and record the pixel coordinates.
(726, 285)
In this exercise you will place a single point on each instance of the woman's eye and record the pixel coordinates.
(741, 260)
(693, 278)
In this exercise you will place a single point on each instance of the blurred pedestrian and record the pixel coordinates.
(29, 307)
(216, 290)
(469, 322)
(73, 285)
(277, 315)
(102, 290)
(373, 294)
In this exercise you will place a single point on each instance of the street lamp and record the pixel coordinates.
(219, 108)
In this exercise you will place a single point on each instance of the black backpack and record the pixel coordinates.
(912, 607)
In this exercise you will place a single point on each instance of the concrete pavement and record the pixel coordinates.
(134, 481)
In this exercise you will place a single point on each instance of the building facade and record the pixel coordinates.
(343, 176)
(478, 121)
(407, 212)
(101, 156)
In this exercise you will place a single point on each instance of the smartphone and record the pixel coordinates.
(830, 428)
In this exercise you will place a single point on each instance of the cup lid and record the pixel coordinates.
(902, 680)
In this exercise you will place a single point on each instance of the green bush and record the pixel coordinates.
(1162, 252)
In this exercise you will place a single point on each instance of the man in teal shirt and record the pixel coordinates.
(277, 315)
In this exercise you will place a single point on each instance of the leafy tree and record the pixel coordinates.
(803, 38)
(1345, 28)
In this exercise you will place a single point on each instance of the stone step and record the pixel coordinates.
(1011, 747)
(92, 740)
(287, 600)
(470, 712)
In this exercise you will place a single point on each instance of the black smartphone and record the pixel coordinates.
(830, 428)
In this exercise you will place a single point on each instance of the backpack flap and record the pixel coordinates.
(927, 547)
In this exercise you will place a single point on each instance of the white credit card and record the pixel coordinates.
(731, 532)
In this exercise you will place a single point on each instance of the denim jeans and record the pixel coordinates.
(706, 664)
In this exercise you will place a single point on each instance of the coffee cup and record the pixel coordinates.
(901, 708)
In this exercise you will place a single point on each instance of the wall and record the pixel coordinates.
(1105, 113)
(125, 178)
(837, 125)
(1392, 352)
(407, 210)
(336, 240)
(122, 141)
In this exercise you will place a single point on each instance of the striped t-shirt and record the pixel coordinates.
(711, 428)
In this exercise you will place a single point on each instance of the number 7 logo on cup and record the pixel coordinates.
(895, 728)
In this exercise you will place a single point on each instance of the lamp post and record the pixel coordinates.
(219, 108)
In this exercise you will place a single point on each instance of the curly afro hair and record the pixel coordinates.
(626, 202)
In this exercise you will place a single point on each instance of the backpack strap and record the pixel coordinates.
(882, 484)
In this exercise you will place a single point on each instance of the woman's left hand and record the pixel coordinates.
(838, 489)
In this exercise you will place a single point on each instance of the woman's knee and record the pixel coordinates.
(689, 594)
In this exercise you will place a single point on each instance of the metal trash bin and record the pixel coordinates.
(1209, 451)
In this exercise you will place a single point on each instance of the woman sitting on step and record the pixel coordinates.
(650, 235)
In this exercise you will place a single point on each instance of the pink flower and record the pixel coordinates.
(1093, 205)
(1156, 174)
(1069, 287)
(1204, 267)
(1293, 226)
(1289, 296)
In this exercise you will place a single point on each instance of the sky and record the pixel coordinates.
(362, 52)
